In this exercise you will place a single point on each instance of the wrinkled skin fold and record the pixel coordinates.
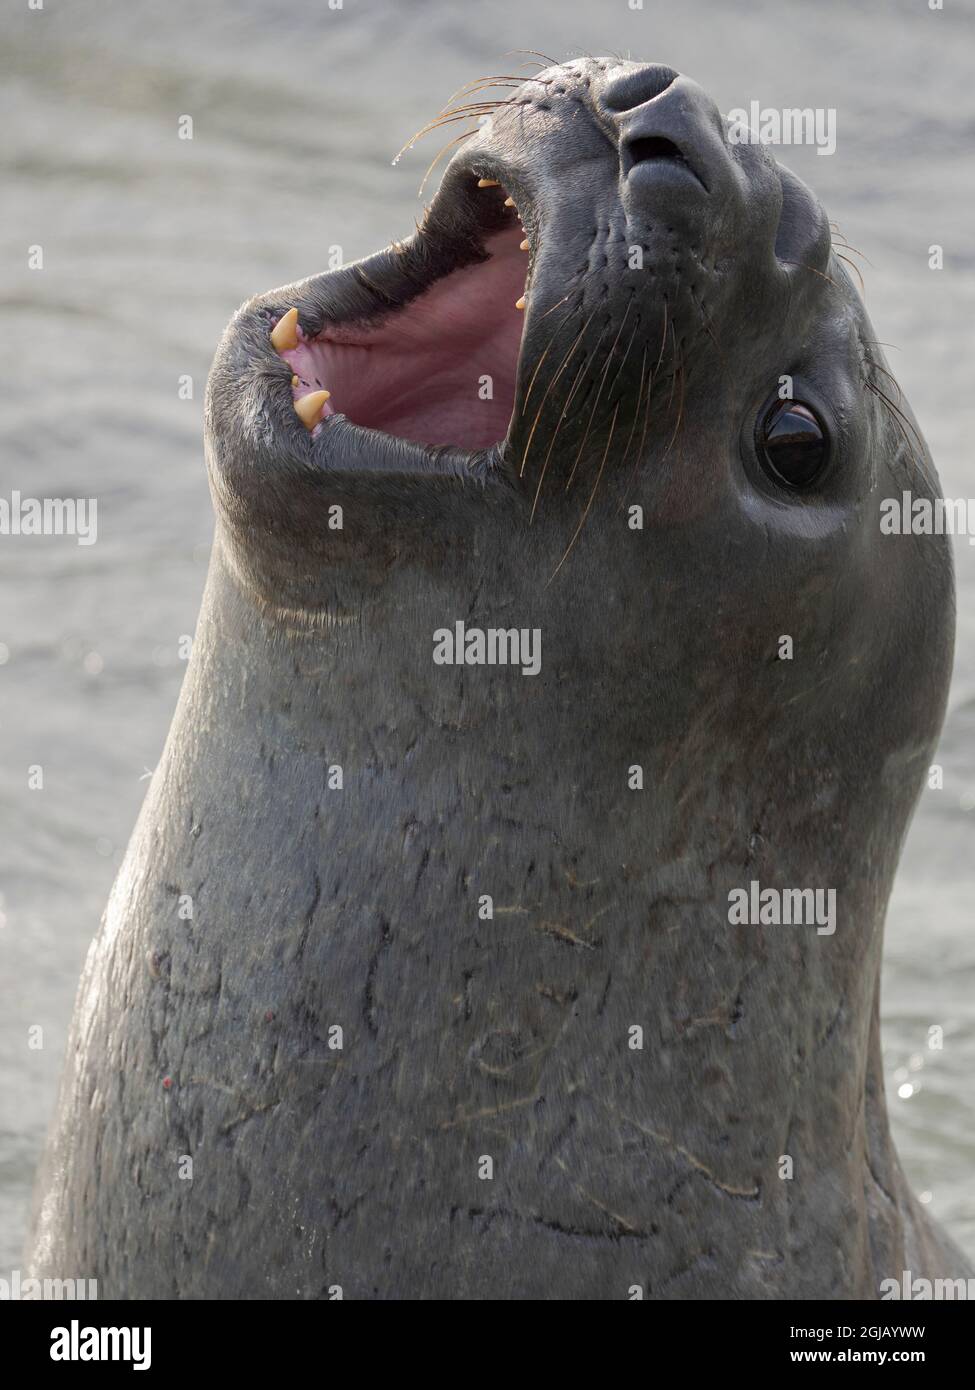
(626, 381)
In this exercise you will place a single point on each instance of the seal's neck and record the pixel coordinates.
(542, 872)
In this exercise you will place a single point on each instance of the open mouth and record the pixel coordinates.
(441, 367)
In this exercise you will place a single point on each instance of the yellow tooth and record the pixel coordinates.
(509, 202)
(309, 408)
(284, 335)
(488, 183)
(524, 245)
(294, 381)
(520, 303)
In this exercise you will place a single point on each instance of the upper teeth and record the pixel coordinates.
(509, 202)
(284, 334)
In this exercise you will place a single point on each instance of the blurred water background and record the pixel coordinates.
(150, 243)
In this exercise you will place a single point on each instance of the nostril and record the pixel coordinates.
(655, 150)
(653, 147)
(637, 87)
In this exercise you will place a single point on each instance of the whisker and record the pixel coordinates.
(678, 371)
(898, 410)
(431, 125)
(506, 79)
(834, 228)
(595, 486)
(663, 342)
(419, 135)
(487, 80)
(563, 415)
(897, 413)
(466, 135)
(877, 367)
(822, 274)
(534, 53)
(897, 422)
(632, 339)
(646, 410)
(481, 108)
(564, 300)
(484, 107)
(854, 267)
(673, 375)
(599, 393)
(636, 416)
(538, 366)
(548, 391)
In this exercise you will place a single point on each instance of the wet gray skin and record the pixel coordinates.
(313, 906)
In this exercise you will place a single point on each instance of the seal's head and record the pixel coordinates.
(614, 296)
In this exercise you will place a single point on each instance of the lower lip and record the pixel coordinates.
(664, 171)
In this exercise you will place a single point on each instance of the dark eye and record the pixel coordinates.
(792, 444)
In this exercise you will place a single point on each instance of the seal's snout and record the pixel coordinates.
(669, 131)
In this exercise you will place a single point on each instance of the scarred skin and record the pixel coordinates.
(314, 906)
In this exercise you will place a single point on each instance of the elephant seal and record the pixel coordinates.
(542, 631)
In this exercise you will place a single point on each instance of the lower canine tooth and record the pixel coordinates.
(487, 183)
(309, 408)
(284, 334)
(509, 202)
(520, 303)
(524, 245)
